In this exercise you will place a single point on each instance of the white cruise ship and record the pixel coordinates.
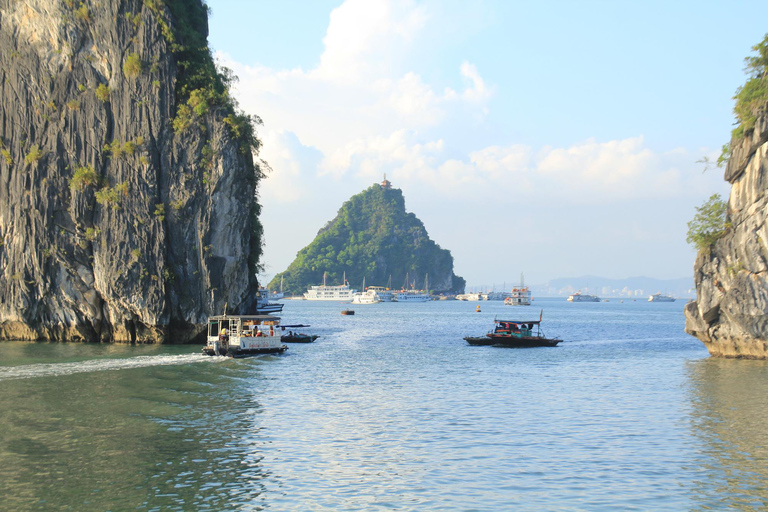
(406, 295)
(658, 297)
(413, 296)
(579, 297)
(341, 292)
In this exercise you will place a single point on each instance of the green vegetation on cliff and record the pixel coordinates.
(709, 223)
(372, 237)
(751, 99)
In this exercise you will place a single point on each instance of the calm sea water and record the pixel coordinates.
(391, 409)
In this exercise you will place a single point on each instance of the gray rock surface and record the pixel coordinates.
(171, 244)
(730, 314)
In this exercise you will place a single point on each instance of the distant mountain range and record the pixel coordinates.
(639, 286)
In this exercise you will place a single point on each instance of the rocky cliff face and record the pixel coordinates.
(730, 314)
(113, 225)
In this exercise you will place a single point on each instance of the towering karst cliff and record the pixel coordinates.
(730, 314)
(127, 207)
(372, 237)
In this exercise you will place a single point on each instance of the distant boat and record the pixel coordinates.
(264, 307)
(365, 297)
(658, 297)
(341, 292)
(347, 312)
(382, 293)
(414, 295)
(520, 296)
(579, 297)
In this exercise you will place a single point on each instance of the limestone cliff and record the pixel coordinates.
(730, 314)
(116, 224)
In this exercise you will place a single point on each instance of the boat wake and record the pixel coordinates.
(97, 365)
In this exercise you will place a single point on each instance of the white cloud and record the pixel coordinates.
(332, 131)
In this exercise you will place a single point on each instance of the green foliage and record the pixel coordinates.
(160, 211)
(102, 92)
(709, 223)
(136, 254)
(84, 176)
(35, 154)
(7, 156)
(177, 205)
(117, 149)
(183, 119)
(92, 233)
(752, 97)
(374, 237)
(73, 104)
(133, 65)
(82, 13)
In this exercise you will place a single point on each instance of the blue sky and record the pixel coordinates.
(552, 138)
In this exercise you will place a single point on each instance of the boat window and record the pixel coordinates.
(213, 328)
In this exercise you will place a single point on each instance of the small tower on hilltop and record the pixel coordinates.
(386, 184)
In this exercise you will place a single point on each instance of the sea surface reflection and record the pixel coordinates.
(730, 419)
(391, 409)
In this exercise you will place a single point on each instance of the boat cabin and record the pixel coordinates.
(239, 335)
(516, 327)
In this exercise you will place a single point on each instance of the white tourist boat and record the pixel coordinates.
(658, 297)
(341, 292)
(264, 307)
(243, 335)
(470, 296)
(579, 297)
(520, 296)
(367, 296)
(412, 295)
(383, 294)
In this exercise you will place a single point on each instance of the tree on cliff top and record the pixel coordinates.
(751, 98)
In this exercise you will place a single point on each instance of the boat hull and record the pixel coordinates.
(479, 341)
(523, 341)
(299, 339)
(237, 352)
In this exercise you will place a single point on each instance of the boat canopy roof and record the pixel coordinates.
(243, 317)
(517, 321)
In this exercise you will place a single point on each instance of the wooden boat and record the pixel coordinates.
(243, 335)
(347, 311)
(515, 334)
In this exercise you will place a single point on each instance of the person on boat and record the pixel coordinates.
(223, 336)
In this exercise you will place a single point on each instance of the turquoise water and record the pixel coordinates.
(391, 409)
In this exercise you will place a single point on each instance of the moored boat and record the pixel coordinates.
(243, 335)
(340, 292)
(367, 296)
(515, 334)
